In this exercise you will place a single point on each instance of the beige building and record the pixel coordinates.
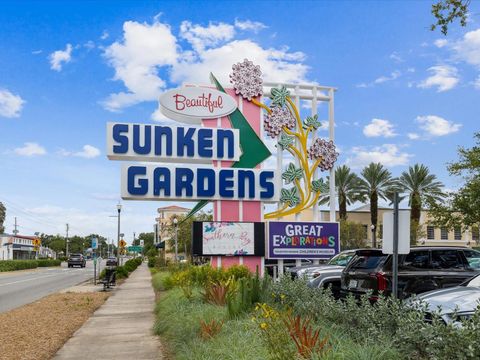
(165, 221)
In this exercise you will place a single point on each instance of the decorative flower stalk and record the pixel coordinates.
(283, 121)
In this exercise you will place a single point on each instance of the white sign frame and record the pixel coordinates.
(130, 155)
(233, 232)
(174, 104)
(403, 232)
(126, 195)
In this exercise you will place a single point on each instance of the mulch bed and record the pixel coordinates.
(38, 330)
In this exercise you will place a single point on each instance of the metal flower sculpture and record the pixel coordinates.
(247, 79)
(283, 120)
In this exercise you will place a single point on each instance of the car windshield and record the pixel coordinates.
(341, 259)
(367, 260)
(473, 258)
(475, 282)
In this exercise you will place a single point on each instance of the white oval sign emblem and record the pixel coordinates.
(192, 104)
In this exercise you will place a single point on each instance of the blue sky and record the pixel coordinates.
(405, 94)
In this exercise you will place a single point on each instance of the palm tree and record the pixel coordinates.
(347, 185)
(421, 186)
(376, 182)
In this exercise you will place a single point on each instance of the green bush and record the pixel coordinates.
(151, 262)
(132, 264)
(121, 272)
(389, 323)
(12, 265)
(49, 262)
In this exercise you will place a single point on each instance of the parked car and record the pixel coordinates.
(311, 270)
(330, 274)
(76, 260)
(423, 269)
(453, 304)
(287, 263)
(111, 261)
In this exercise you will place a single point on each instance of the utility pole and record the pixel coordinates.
(15, 231)
(66, 240)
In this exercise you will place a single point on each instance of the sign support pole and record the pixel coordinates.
(395, 246)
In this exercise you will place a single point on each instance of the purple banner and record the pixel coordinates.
(303, 240)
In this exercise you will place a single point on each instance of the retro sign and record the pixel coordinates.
(303, 240)
(192, 104)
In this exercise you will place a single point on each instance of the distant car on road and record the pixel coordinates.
(76, 260)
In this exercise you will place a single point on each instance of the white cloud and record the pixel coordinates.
(57, 58)
(136, 59)
(468, 48)
(382, 79)
(396, 57)
(37, 52)
(440, 43)
(413, 136)
(88, 152)
(148, 48)
(105, 35)
(476, 83)
(437, 126)
(201, 37)
(443, 77)
(387, 154)
(278, 65)
(30, 149)
(10, 104)
(254, 26)
(379, 127)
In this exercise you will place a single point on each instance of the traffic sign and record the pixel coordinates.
(123, 243)
(135, 248)
(94, 243)
(37, 242)
(35, 248)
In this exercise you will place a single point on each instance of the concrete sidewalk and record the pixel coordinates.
(122, 327)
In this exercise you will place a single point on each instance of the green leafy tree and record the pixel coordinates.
(3, 212)
(352, 235)
(347, 185)
(461, 208)
(421, 187)
(448, 11)
(185, 231)
(148, 241)
(376, 183)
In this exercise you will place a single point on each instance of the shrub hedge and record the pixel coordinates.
(12, 265)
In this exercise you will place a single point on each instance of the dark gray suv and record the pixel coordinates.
(423, 269)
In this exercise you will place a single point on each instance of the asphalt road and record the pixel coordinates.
(24, 287)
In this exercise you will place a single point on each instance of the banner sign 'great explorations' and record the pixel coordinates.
(228, 238)
(303, 240)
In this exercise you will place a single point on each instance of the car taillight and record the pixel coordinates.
(381, 281)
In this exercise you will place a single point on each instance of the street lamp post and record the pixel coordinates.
(374, 236)
(119, 208)
(175, 223)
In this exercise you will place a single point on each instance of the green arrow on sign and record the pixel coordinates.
(254, 150)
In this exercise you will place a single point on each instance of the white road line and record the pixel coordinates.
(35, 278)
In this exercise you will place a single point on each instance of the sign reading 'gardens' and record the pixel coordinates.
(287, 240)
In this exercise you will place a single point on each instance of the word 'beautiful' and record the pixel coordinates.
(171, 143)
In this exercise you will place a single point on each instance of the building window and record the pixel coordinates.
(443, 233)
(430, 233)
(475, 234)
(457, 233)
